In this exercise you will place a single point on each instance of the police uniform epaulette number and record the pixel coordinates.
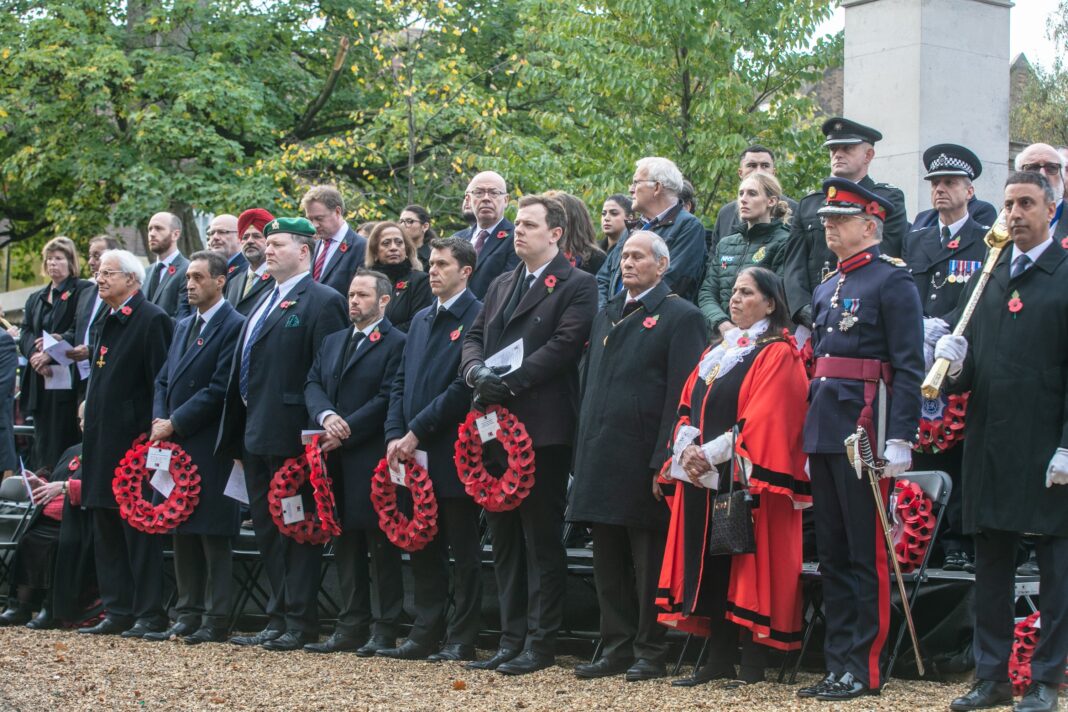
(828, 276)
(895, 261)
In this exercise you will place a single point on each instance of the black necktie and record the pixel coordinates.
(157, 277)
(632, 305)
(517, 296)
(1020, 265)
(194, 332)
(350, 347)
(945, 235)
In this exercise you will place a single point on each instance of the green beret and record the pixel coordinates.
(294, 226)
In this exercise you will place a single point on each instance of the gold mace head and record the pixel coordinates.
(998, 234)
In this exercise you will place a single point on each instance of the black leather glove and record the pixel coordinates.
(489, 388)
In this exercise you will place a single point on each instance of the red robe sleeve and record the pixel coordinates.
(772, 404)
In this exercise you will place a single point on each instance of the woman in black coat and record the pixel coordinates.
(391, 252)
(51, 309)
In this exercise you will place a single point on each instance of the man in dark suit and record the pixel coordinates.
(129, 350)
(224, 237)
(492, 234)
(166, 278)
(90, 313)
(264, 413)
(188, 403)
(339, 250)
(427, 405)
(245, 287)
(1016, 453)
(808, 259)
(943, 259)
(754, 158)
(549, 306)
(621, 449)
(347, 395)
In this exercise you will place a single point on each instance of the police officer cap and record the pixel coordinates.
(842, 131)
(949, 159)
(844, 197)
(293, 226)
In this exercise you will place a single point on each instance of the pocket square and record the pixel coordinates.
(293, 320)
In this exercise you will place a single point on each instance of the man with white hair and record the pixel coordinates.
(655, 190)
(642, 346)
(492, 235)
(127, 353)
(1043, 158)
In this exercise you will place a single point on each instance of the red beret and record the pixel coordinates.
(253, 216)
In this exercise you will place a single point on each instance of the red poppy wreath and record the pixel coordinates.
(495, 494)
(128, 487)
(941, 433)
(409, 534)
(914, 524)
(315, 528)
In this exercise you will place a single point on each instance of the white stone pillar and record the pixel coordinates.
(930, 71)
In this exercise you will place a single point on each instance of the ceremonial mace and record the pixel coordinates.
(858, 450)
(997, 238)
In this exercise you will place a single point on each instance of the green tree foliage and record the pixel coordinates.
(1041, 114)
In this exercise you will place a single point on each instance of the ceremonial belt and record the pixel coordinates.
(877, 377)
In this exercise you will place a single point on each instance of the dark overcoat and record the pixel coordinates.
(358, 391)
(933, 265)
(497, 257)
(1017, 370)
(428, 398)
(245, 304)
(411, 293)
(189, 391)
(128, 354)
(635, 370)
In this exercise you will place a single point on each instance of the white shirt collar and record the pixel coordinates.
(370, 327)
(490, 230)
(339, 236)
(286, 286)
(451, 300)
(170, 258)
(955, 227)
(206, 316)
(640, 296)
(539, 270)
(1034, 253)
(261, 270)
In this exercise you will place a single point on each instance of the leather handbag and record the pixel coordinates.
(730, 529)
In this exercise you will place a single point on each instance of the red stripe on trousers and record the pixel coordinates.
(882, 571)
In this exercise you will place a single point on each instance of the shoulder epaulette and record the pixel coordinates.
(895, 261)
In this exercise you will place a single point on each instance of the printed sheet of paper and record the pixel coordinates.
(307, 435)
(84, 368)
(58, 379)
(235, 484)
(510, 357)
(56, 349)
(158, 459)
(397, 475)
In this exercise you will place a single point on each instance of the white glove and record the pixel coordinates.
(953, 349)
(718, 450)
(1057, 472)
(898, 456)
(933, 330)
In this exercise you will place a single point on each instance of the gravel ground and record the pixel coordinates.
(53, 670)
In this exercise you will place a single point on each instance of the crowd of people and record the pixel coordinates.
(654, 371)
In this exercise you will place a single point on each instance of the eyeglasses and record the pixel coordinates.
(485, 193)
(634, 183)
(1050, 169)
(220, 231)
(108, 273)
(407, 222)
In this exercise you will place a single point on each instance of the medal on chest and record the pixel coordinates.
(849, 314)
(712, 375)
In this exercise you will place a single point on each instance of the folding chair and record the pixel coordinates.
(22, 512)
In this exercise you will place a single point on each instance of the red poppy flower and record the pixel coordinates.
(75, 463)
(344, 247)
(401, 285)
(502, 234)
(1064, 243)
(650, 321)
(1015, 304)
(375, 336)
(232, 268)
(126, 310)
(455, 334)
(264, 277)
(286, 304)
(953, 244)
(171, 269)
(103, 350)
(743, 341)
(200, 342)
(550, 283)
(65, 296)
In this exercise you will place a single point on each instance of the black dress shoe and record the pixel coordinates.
(42, 621)
(178, 630)
(17, 615)
(813, 690)
(1039, 697)
(454, 652)
(527, 662)
(376, 643)
(502, 656)
(290, 640)
(955, 561)
(984, 694)
(847, 688)
(704, 675)
(602, 667)
(205, 635)
(336, 643)
(645, 670)
(408, 650)
(1029, 567)
(108, 626)
(258, 639)
(140, 630)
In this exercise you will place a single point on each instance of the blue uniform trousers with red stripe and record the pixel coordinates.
(853, 568)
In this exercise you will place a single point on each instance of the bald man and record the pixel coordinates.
(165, 279)
(224, 239)
(492, 233)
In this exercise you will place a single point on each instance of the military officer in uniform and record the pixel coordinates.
(943, 259)
(808, 259)
(867, 339)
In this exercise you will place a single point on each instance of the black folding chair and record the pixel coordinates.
(20, 510)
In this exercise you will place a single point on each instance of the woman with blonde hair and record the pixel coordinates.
(50, 310)
(391, 252)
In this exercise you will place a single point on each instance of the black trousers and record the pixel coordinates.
(458, 534)
(529, 558)
(129, 570)
(293, 569)
(995, 603)
(370, 593)
(854, 568)
(203, 572)
(952, 536)
(626, 570)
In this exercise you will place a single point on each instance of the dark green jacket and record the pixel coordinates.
(763, 244)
